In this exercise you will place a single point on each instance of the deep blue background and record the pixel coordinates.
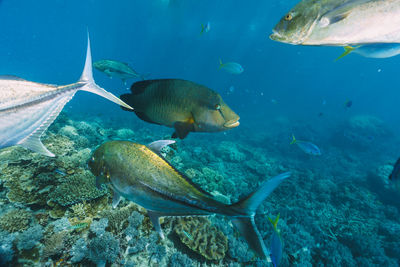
(45, 41)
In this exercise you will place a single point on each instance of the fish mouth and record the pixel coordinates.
(276, 36)
(231, 124)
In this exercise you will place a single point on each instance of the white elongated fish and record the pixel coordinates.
(27, 108)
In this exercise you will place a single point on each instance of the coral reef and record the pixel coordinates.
(332, 212)
(76, 188)
(29, 238)
(199, 235)
(15, 220)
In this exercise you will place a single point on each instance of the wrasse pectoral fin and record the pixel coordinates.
(156, 146)
(116, 200)
(155, 219)
(182, 129)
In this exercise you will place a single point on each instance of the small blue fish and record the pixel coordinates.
(307, 147)
(231, 67)
(394, 177)
(205, 28)
(276, 244)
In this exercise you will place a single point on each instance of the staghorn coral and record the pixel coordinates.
(15, 220)
(200, 236)
(76, 188)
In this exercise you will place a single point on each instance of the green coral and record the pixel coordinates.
(200, 236)
(15, 220)
(76, 188)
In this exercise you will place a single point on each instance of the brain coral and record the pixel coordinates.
(200, 236)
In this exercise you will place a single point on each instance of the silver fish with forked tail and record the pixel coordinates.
(139, 174)
(27, 108)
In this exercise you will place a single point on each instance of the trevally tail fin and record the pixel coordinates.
(91, 86)
(247, 209)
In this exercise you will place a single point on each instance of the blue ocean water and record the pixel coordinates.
(338, 209)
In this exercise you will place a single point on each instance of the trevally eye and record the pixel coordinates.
(289, 16)
(217, 106)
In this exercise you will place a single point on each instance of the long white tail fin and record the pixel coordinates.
(91, 86)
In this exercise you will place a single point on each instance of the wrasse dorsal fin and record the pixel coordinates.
(156, 146)
(33, 142)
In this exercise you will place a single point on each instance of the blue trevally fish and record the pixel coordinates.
(394, 177)
(372, 50)
(28, 108)
(276, 243)
(231, 67)
(138, 173)
(306, 146)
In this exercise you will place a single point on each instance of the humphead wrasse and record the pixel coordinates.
(183, 105)
(28, 108)
(139, 174)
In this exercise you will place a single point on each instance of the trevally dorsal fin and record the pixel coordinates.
(32, 141)
(156, 146)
